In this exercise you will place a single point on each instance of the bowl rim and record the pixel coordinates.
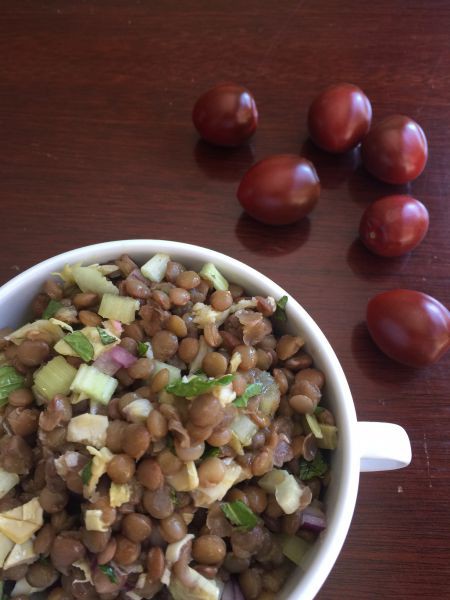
(326, 554)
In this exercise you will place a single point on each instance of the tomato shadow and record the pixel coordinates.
(363, 188)
(373, 363)
(333, 169)
(224, 164)
(368, 266)
(268, 240)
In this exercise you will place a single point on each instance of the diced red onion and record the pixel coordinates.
(111, 361)
(232, 591)
(313, 519)
(123, 357)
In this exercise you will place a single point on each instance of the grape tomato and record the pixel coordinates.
(395, 150)
(280, 189)
(410, 327)
(226, 115)
(393, 225)
(339, 118)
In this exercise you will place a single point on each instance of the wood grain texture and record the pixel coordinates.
(97, 144)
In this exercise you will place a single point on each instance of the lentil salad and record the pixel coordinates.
(160, 438)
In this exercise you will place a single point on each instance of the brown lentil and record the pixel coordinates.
(188, 280)
(160, 380)
(85, 300)
(21, 397)
(188, 349)
(177, 326)
(127, 552)
(173, 528)
(149, 474)
(251, 584)
(164, 344)
(211, 472)
(248, 357)
(209, 550)
(141, 369)
(89, 318)
(155, 564)
(178, 296)
(136, 527)
(32, 353)
(136, 440)
(121, 468)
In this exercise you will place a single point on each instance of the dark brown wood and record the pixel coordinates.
(97, 144)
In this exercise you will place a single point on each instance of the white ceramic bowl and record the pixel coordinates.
(359, 442)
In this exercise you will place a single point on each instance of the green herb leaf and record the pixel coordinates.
(238, 513)
(318, 410)
(251, 390)
(210, 452)
(109, 571)
(197, 385)
(10, 380)
(86, 473)
(52, 308)
(314, 468)
(280, 313)
(82, 346)
(174, 497)
(142, 348)
(105, 338)
(170, 444)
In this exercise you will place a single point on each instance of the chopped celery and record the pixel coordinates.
(329, 439)
(200, 588)
(89, 279)
(294, 548)
(174, 372)
(155, 268)
(7, 482)
(95, 384)
(212, 274)
(122, 308)
(313, 425)
(286, 488)
(45, 326)
(244, 429)
(54, 378)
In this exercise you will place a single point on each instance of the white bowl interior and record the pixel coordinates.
(15, 298)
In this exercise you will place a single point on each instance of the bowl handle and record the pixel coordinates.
(382, 446)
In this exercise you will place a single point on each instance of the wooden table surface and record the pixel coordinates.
(97, 144)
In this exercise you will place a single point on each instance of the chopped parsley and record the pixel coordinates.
(82, 346)
(105, 338)
(10, 380)
(239, 514)
(86, 473)
(109, 571)
(251, 390)
(280, 312)
(199, 384)
(314, 468)
(142, 349)
(52, 308)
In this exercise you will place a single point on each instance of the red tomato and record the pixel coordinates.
(410, 327)
(280, 189)
(226, 115)
(339, 117)
(393, 225)
(395, 150)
